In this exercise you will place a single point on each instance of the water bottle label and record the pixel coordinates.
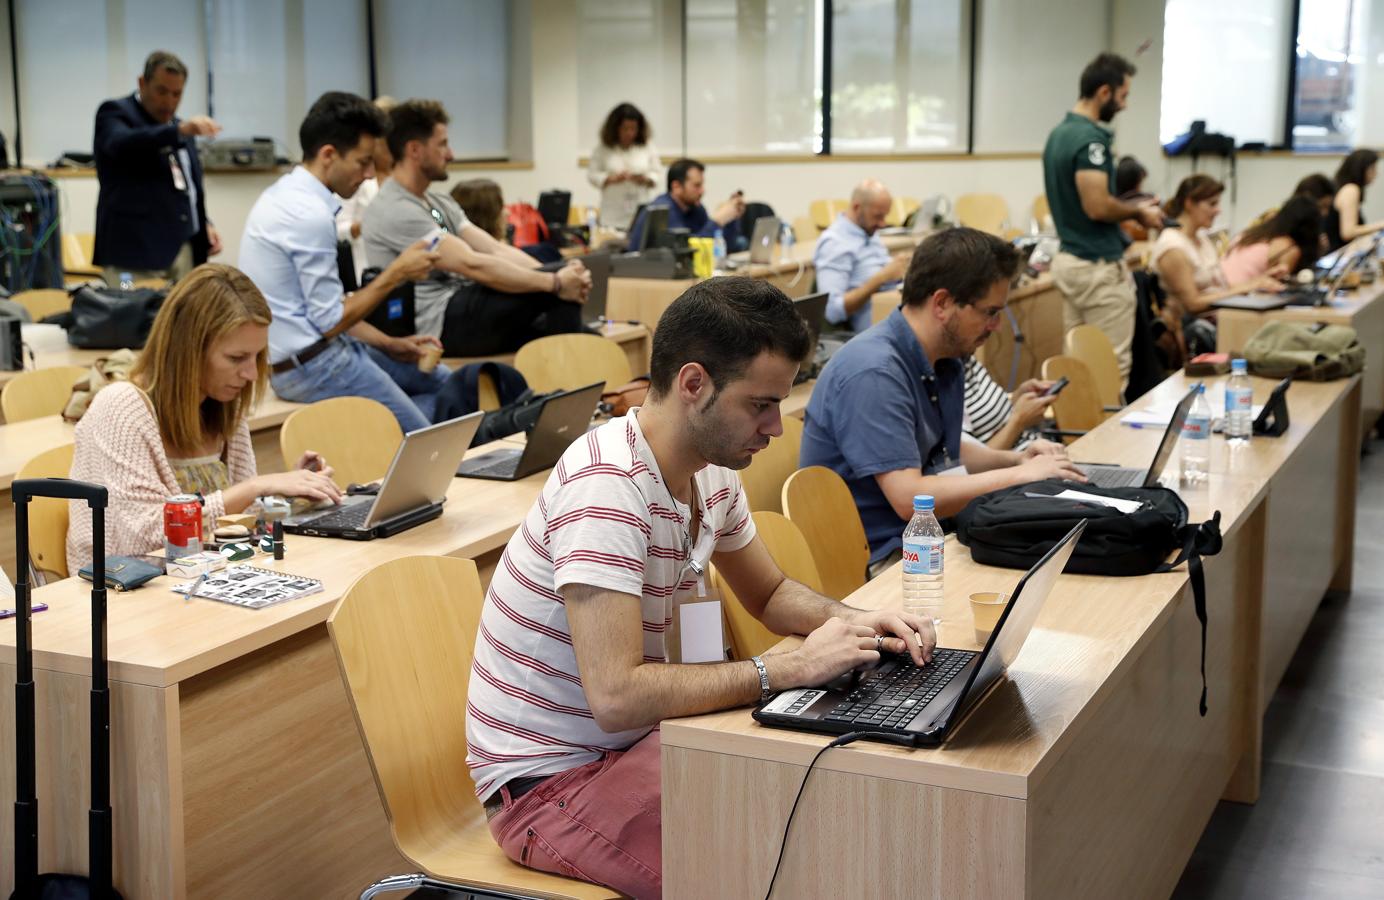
(1238, 400)
(922, 558)
(1197, 429)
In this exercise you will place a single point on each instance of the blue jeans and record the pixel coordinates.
(350, 368)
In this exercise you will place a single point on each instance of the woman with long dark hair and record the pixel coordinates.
(1280, 245)
(1346, 221)
(624, 165)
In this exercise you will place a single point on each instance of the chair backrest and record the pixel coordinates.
(900, 210)
(1090, 345)
(764, 477)
(818, 501)
(824, 212)
(42, 302)
(357, 435)
(561, 362)
(1078, 407)
(41, 392)
(987, 212)
(1042, 213)
(403, 635)
(804, 229)
(786, 545)
(47, 516)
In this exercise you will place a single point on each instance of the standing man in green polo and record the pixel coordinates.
(1079, 174)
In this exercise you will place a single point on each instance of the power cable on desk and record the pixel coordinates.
(842, 741)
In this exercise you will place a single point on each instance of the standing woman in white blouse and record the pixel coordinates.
(624, 165)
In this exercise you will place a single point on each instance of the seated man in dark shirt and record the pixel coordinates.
(686, 184)
(886, 413)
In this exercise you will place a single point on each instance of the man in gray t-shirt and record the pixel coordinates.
(485, 297)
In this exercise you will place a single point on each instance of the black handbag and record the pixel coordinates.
(111, 319)
(1015, 526)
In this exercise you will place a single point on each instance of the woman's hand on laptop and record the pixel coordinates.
(299, 483)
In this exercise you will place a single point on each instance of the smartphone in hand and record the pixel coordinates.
(1056, 387)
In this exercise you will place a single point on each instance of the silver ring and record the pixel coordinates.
(879, 643)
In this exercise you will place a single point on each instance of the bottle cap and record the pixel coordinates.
(1239, 364)
(922, 503)
(1200, 388)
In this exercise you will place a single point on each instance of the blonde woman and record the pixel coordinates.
(180, 425)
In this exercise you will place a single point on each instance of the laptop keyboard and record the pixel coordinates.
(891, 695)
(1111, 477)
(499, 468)
(347, 517)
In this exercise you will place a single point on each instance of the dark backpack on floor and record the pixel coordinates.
(1015, 526)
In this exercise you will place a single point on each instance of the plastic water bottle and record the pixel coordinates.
(1239, 400)
(1196, 440)
(127, 281)
(922, 561)
(786, 238)
(590, 222)
(718, 251)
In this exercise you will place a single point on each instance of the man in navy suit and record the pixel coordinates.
(151, 217)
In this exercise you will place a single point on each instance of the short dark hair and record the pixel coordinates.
(1315, 186)
(162, 60)
(340, 120)
(1107, 69)
(413, 120)
(1354, 167)
(723, 324)
(965, 262)
(1129, 174)
(679, 169)
(625, 112)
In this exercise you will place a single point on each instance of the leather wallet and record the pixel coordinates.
(124, 573)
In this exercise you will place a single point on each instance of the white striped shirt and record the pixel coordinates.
(988, 407)
(604, 519)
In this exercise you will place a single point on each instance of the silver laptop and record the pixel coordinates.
(762, 244)
(923, 706)
(412, 492)
(563, 418)
(1111, 476)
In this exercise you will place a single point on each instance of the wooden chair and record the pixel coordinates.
(403, 635)
(1078, 408)
(39, 393)
(987, 212)
(1090, 345)
(770, 468)
(42, 302)
(900, 210)
(357, 435)
(804, 229)
(824, 212)
(76, 257)
(48, 517)
(158, 284)
(820, 504)
(561, 362)
(1042, 214)
(789, 549)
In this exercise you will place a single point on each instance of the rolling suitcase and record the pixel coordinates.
(29, 884)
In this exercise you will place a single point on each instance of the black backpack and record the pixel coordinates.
(1015, 526)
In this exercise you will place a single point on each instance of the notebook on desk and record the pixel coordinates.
(411, 493)
(563, 418)
(924, 703)
(1112, 476)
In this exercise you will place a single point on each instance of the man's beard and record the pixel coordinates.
(1109, 110)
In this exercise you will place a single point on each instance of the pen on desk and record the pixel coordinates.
(196, 586)
(12, 612)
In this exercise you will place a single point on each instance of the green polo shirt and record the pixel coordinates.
(1079, 143)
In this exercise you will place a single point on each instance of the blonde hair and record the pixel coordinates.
(208, 303)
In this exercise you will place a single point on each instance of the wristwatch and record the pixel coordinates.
(764, 692)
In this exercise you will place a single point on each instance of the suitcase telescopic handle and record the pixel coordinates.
(24, 489)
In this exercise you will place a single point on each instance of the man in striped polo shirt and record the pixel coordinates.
(572, 674)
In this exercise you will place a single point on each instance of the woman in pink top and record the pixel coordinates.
(179, 425)
(1279, 246)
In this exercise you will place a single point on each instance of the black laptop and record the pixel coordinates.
(411, 493)
(924, 703)
(1111, 476)
(813, 309)
(564, 418)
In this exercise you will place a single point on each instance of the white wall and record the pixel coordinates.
(558, 138)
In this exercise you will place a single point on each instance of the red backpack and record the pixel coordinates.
(529, 227)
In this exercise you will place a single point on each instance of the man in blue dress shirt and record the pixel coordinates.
(319, 345)
(886, 413)
(851, 261)
(686, 185)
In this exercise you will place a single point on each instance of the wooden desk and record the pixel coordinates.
(68, 356)
(236, 767)
(1361, 309)
(1037, 310)
(1086, 773)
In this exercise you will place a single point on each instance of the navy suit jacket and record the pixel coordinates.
(141, 217)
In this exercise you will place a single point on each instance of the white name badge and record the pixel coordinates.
(699, 630)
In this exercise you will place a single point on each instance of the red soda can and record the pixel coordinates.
(182, 526)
